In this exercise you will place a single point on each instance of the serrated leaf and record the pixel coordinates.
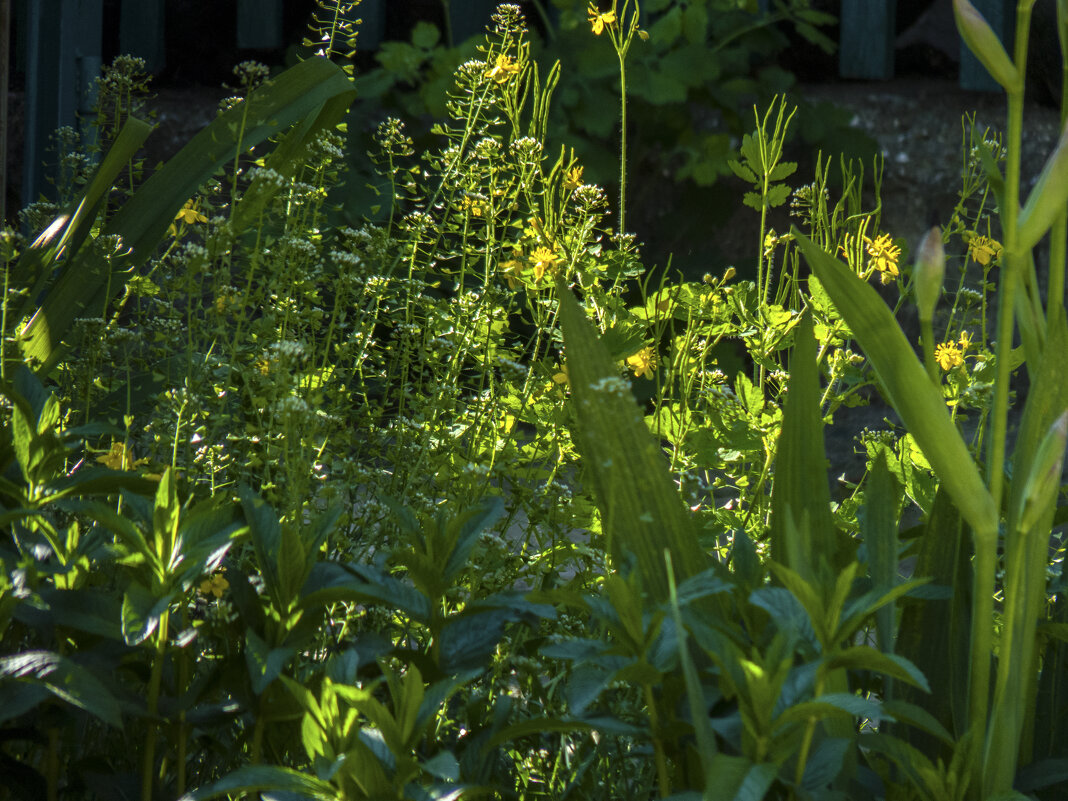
(753, 200)
(742, 171)
(777, 195)
(784, 169)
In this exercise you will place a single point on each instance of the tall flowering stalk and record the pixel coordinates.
(621, 25)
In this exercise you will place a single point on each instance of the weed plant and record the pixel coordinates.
(372, 512)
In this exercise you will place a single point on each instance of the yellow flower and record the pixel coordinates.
(545, 261)
(884, 255)
(982, 249)
(511, 270)
(504, 69)
(965, 340)
(949, 355)
(119, 457)
(475, 207)
(573, 180)
(216, 585)
(188, 214)
(598, 21)
(643, 362)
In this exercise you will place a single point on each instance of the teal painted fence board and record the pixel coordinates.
(866, 39)
(142, 31)
(259, 24)
(1001, 15)
(470, 17)
(61, 64)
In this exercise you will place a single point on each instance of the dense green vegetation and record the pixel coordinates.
(322, 511)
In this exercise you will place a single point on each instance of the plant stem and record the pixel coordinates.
(986, 542)
(149, 760)
(622, 143)
(663, 780)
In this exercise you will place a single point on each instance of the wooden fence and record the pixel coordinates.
(61, 51)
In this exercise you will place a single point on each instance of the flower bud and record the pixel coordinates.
(1044, 479)
(984, 43)
(928, 273)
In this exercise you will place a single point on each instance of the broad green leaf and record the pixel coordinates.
(266, 534)
(878, 521)
(864, 657)
(141, 612)
(735, 778)
(913, 715)
(908, 389)
(934, 634)
(465, 529)
(830, 705)
(165, 515)
(262, 777)
(825, 763)
(65, 679)
(799, 494)
(641, 512)
(265, 664)
(314, 89)
(469, 640)
(329, 583)
(67, 233)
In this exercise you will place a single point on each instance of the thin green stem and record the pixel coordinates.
(663, 778)
(155, 679)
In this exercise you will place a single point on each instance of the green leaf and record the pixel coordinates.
(878, 521)
(264, 664)
(913, 715)
(802, 531)
(67, 233)
(784, 169)
(465, 529)
(315, 92)
(165, 514)
(777, 195)
(935, 635)
(262, 777)
(641, 512)
(66, 680)
(831, 705)
(908, 389)
(266, 534)
(864, 657)
(742, 171)
(735, 778)
(141, 612)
